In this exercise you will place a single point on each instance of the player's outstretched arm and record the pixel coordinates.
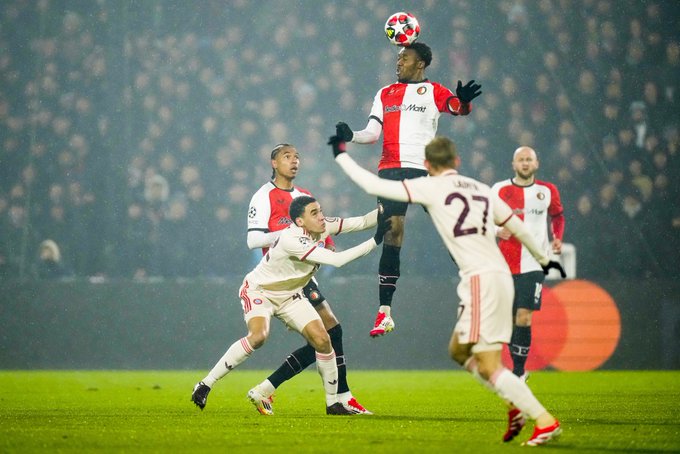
(354, 224)
(325, 257)
(370, 134)
(369, 182)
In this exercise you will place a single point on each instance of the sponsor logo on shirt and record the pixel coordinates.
(405, 108)
(535, 211)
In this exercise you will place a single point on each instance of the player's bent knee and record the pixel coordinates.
(321, 342)
(257, 339)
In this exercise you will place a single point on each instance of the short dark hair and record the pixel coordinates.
(275, 151)
(424, 52)
(298, 205)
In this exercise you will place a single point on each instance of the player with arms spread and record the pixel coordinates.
(406, 113)
(274, 288)
(533, 201)
(464, 212)
(267, 217)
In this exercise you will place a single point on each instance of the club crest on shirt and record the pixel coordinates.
(540, 196)
(334, 219)
(252, 211)
(257, 301)
(321, 244)
(421, 90)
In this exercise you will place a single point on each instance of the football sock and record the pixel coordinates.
(235, 355)
(386, 309)
(266, 388)
(335, 334)
(295, 363)
(511, 388)
(328, 369)
(388, 273)
(519, 348)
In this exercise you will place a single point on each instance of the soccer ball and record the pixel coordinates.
(402, 29)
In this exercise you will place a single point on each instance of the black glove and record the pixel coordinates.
(344, 132)
(338, 145)
(384, 226)
(468, 92)
(556, 265)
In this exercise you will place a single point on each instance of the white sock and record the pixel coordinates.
(328, 369)
(266, 388)
(511, 388)
(345, 397)
(386, 309)
(235, 355)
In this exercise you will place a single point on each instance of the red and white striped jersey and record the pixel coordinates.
(409, 114)
(533, 204)
(269, 206)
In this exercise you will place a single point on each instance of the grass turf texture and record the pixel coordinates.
(415, 411)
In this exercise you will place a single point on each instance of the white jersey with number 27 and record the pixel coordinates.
(463, 211)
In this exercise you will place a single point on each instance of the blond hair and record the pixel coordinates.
(441, 152)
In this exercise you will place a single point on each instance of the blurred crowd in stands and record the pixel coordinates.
(133, 134)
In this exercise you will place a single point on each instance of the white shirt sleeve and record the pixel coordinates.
(326, 257)
(259, 239)
(371, 183)
(370, 134)
(336, 226)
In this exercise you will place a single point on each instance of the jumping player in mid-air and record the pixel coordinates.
(406, 113)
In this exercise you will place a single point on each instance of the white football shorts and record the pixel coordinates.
(485, 311)
(293, 309)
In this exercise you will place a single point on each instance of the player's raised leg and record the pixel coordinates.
(389, 271)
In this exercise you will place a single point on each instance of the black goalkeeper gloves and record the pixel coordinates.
(338, 144)
(467, 92)
(384, 226)
(344, 132)
(554, 265)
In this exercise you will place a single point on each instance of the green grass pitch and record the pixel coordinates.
(415, 411)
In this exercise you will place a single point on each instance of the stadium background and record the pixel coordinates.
(134, 133)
